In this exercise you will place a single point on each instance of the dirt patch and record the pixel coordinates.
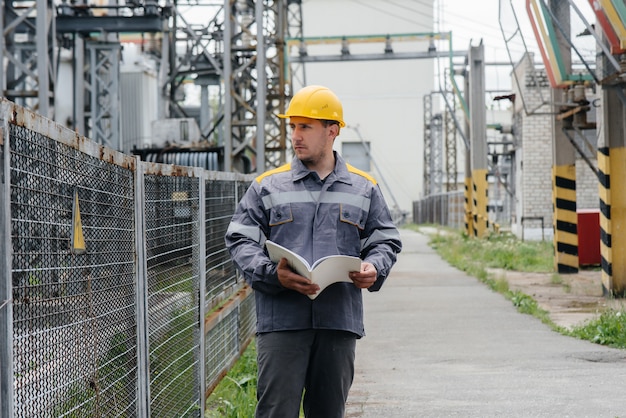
(570, 299)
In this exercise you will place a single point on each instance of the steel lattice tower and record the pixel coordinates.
(228, 49)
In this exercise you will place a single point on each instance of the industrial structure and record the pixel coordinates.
(142, 313)
(247, 57)
(581, 97)
(226, 50)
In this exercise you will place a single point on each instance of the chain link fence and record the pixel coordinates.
(446, 209)
(117, 295)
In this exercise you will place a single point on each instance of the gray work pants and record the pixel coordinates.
(318, 362)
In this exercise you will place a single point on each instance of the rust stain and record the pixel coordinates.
(172, 170)
(179, 171)
(78, 138)
(103, 154)
(22, 117)
(233, 301)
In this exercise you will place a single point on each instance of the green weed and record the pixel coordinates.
(608, 329)
(235, 395)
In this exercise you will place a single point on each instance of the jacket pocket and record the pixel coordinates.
(352, 215)
(281, 214)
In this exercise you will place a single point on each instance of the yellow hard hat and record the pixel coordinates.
(315, 102)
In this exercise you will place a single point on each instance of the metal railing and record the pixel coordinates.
(117, 295)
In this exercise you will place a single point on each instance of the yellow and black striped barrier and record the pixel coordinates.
(565, 219)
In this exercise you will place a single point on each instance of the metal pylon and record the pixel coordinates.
(103, 89)
(252, 41)
(436, 154)
(241, 47)
(28, 48)
(237, 50)
(428, 112)
(450, 137)
(295, 30)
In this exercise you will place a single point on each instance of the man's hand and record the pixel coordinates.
(366, 277)
(294, 281)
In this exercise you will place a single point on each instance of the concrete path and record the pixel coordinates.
(440, 343)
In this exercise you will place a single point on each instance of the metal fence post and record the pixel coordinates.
(202, 221)
(6, 303)
(143, 357)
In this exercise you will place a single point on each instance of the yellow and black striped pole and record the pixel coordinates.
(606, 247)
(565, 219)
(469, 228)
(478, 141)
(468, 174)
(612, 192)
(480, 220)
(611, 165)
(564, 216)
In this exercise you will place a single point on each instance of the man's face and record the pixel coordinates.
(312, 142)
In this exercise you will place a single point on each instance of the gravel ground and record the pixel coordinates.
(571, 299)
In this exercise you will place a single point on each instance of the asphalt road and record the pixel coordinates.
(440, 343)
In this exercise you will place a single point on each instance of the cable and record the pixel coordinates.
(383, 11)
(427, 5)
(487, 31)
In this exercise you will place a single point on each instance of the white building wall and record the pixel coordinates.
(533, 155)
(381, 99)
(587, 186)
(534, 158)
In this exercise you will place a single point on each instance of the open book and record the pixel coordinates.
(324, 272)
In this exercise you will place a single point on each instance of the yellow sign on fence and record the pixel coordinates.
(77, 244)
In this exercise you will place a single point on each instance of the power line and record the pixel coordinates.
(386, 12)
(419, 12)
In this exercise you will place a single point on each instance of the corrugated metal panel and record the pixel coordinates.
(139, 108)
(207, 160)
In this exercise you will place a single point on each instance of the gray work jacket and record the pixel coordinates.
(344, 214)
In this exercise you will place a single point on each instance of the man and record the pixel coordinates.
(316, 206)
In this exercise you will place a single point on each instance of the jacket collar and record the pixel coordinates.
(340, 173)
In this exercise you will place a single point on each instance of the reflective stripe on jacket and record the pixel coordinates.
(344, 214)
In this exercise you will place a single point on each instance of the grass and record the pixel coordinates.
(609, 329)
(99, 394)
(235, 396)
(172, 364)
(495, 251)
(505, 251)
